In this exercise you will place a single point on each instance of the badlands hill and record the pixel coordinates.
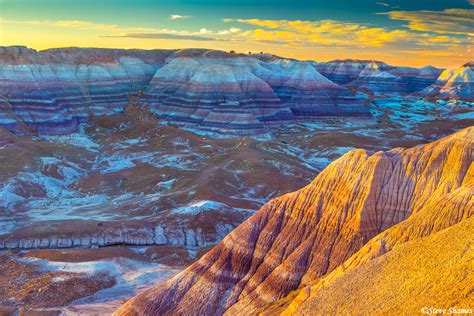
(52, 91)
(455, 83)
(55, 89)
(423, 273)
(378, 76)
(359, 208)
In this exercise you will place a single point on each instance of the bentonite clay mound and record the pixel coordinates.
(296, 238)
(378, 76)
(455, 83)
(52, 91)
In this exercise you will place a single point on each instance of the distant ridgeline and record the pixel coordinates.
(52, 91)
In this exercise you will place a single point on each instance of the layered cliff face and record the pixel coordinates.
(426, 254)
(454, 84)
(308, 93)
(344, 71)
(377, 76)
(299, 237)
(425, 273)
(241, 92)
(53, 90)
(214, 93)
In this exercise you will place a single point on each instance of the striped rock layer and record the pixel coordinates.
(421, 261)
(377, 76)
(242, 92)
(52, 90)
(418, 274)
(302, 86)
(212, 93)
(295, 239)
(455, 83)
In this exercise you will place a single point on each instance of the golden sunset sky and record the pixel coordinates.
(403, 32)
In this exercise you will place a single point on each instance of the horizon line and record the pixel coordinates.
(229, 52)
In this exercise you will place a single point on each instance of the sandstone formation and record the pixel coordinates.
(293, 240)
(424, 273)
(431, 247)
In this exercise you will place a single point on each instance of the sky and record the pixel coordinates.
(399, 32)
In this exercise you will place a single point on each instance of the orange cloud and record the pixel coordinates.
(335, 33)
(316, 40)
(379, 36)
(449, 21)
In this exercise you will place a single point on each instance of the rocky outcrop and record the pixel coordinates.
(453, 84)
(199, 224)
(214, 93)
(344, 71)
(309, 94)
(299, 237)
(242, 92)
(439, 232)
(416, 79)
(423, 274)
(53, 90)
(377, 76)
(178, 235)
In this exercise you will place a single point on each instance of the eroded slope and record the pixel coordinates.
(301, 236)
